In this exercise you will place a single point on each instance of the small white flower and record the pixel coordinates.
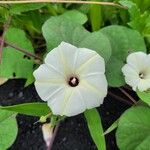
(71, 80)
(137, 71)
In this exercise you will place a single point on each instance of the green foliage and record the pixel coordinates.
(58, 29)
(139, 20)
(133, 131)
(34, 20)
(13, 62)
(96, 17)
(64, 22)
(4, 13)
(8, 129)
(144, 96)
(75, 16)
(95, 127)
(99, 42)
(84, 8)
(132, 8)
(31, 21)
(32, 109)
(110, 15)
(19, 8)
(143, 5)
(123, 42)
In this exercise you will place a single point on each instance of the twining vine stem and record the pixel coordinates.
(2, 42)
(23, 51)
(119, 98)
(6, 25)
(64, 1)
(128, 95)
(127, 87)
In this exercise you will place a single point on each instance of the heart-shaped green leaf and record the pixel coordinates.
(133, 131)
(58, 29)
(15, 63)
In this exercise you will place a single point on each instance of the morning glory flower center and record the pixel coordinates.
(73, 81)
(141, 75)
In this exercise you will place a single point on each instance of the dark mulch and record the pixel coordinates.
(73, 133)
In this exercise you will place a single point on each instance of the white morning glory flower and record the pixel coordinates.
(137, 71)
(71, 80)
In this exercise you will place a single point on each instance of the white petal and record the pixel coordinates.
(131, 76)
(84, 55)
(129, 71)
(132, 81)
(63, 58)
(47, 91)
(57, 102)
(144, 85)
(96, 83)
(69, 103)
(69, 54)
(91, 98)
(54, 61)
(147, 71)
(75, 105)
(48, 82)
(137, 60)
(47, 74)
(89, 62)
(93, 90)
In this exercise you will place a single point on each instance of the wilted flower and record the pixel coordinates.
(47, 131)
(137, 71)
(71, 80)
